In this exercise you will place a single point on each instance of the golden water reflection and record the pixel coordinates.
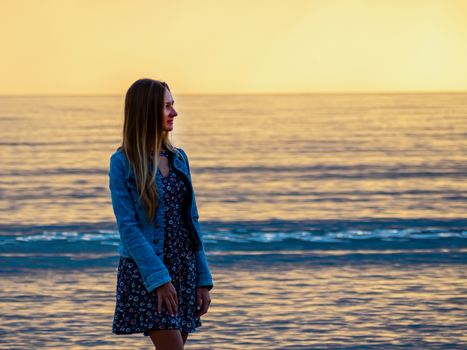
(262, 307)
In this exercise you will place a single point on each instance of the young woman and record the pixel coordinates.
(163, 278)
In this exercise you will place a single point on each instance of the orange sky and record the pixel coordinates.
(241, 46)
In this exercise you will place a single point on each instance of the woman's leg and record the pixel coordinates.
(184, 336)
(166, 339)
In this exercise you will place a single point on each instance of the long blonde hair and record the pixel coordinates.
(143, 137)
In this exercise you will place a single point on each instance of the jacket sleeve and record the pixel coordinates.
(151, 267)
(204, 274)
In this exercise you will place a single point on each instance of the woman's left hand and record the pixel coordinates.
(203, 300)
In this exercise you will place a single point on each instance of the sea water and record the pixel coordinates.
(331, 221)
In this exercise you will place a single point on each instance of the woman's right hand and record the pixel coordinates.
(168, 295)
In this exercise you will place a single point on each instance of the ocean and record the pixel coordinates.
(331, 221)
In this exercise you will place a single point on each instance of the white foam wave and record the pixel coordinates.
(111, 237)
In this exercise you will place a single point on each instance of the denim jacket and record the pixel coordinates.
(143, 240)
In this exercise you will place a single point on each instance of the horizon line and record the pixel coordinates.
(408, 92)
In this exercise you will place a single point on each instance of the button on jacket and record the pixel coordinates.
(142, 239)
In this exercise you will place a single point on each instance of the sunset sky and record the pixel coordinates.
(243, 46)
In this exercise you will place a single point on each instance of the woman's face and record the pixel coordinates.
(169, 111)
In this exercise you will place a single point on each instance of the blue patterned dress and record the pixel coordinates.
(136, 309)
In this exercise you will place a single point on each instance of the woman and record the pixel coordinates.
(163, 278)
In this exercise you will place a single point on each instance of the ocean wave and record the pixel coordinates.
(242, 236)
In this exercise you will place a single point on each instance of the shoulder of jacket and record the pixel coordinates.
(118, 157)
(118, 154)
(181, 153)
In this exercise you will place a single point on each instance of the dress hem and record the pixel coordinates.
(145, 332)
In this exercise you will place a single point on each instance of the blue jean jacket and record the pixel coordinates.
(142, 240)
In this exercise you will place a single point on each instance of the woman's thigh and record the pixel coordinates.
(167, 339)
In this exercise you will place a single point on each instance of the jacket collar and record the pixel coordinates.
(179, 163)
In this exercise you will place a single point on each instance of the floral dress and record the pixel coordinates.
(136, 309)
